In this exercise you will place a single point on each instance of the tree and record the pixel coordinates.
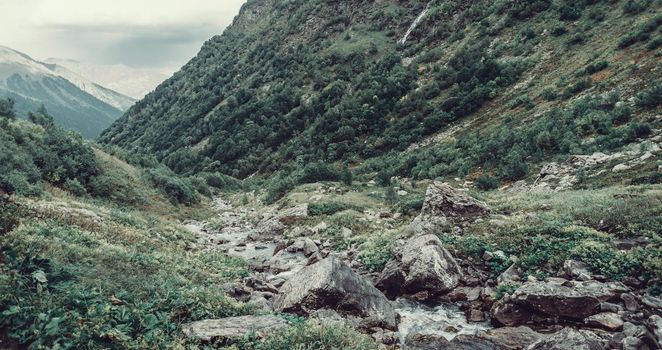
(41, 117)
(346, 176)
(7, 108)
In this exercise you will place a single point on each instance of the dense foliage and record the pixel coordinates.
(268, 96)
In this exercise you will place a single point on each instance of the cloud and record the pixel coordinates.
(161, 34)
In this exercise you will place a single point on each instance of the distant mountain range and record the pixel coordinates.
(126, 80)
(75, 102)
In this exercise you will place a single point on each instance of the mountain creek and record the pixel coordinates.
(423, 298)
(237, 239)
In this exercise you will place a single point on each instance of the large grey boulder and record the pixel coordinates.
(444, 205)
(569, 338)
(233, 328)
(555, 299)
(331, 284)
(507, 338)
(420, 264)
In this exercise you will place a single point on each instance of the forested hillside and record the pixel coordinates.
(290, 83)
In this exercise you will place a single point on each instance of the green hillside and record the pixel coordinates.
(295, 82)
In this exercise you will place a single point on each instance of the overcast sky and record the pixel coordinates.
(162, 34)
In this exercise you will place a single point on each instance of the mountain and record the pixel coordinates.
(410, 88)
(129, 81)
(75, 102)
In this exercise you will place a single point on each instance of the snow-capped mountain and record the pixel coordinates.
(121, 78)
(75, 102)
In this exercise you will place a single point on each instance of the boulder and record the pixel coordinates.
(421, 264)
(569, 338)
(292, 215)
(555, 299)
(331, 284)
(507, 338)
(606, 320)
(445, 205)
(576, 270)
(230, 328)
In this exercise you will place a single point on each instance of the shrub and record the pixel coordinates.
(178, 190)
(411, 205)
(559, 30)
(503, 289)
(633, 7)
(9, 214)
(570, 12)
(376, 252)
(596, 67)
(7, 108)
(486, 183)
(346, 177)
(201, 186)
(330, 208)
(651, 97)
(549, 94)
(73, 186)
(221, 181)
(278, 188)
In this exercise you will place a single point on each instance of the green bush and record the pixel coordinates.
(330, 208)
(177, 189)
(201, 186)
(486, 183)
(73, 186)
(650, 97)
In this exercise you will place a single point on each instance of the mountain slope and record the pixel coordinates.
(126, 80)
(75, 102)
(306, 81)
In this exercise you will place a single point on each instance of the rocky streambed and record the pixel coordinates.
(423, 299)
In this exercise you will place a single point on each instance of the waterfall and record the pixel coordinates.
(414, 24)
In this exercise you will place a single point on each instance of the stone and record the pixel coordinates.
(475, 315)
(621, 167)
(654, 323)
(652, 302)
(292, 215)
(576, 270)
(234, 328)
(630, 302)
(402, 193)
(331, 284)
(443, 205)
(420, 264)
(512, 274)
(512, 337)
(555, 298)
(569, 338)
(606, 320)
(464, 294)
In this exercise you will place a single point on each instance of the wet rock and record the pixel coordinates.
(506, 313)
(234, 328)
(654, 324)
(634, 337)
(652, 302)
(332, 284)
(630, 302)
(606, 320)
(421, 264)
(576, 270)
(512, 337)
(569, 338)
(512, 274)
(292, 215)
(442, 205)
(475, 315)
(267, 229)
(555, 298)
(464, 294)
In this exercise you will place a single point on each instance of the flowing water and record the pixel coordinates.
(443, 320)
(234, 238)
(414, 24)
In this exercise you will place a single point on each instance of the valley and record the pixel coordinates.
(346, 175)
